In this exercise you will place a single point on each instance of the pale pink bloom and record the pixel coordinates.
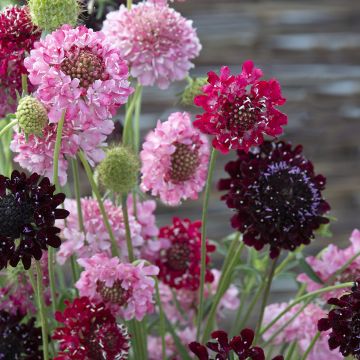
(157, 42)
(125, 288)
(329, 261)
(96, 238)
(59, 66)
(174, 160)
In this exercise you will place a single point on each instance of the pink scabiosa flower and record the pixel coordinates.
(95, 238)
(78, 71)
(174, 160)
(90, 331)
(240, 109)
(156, 41)
(329, 262)
(179, 259)
(126, 289)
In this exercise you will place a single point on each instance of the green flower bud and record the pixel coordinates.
(51, 14)
(192, 90)
(119, 170)
(31, 115)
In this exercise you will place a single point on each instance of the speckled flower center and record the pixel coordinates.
(115, 294)
(184, 162)
(286, 196)
(84, 65)
(14, 215)
(178, 256)
(241, 114)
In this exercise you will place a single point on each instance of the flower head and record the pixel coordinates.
(174, 160)
(19, 339)
(157, 42)
(126, 289)
(276, 195)
(28, 210)
(344, 323)
(90, 331)
(179, 259)
(239, 345)
(240, 109)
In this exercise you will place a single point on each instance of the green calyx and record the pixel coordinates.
(193, 89)
(51, 14)
(119, 170)
(31, 115)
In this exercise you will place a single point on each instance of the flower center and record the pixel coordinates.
(286, 196)
(242, 114)
(178, 256)
(115, 294)
(184, 162)
(84, 65)
(14, 215)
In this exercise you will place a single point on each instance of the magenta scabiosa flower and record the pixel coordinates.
(125, 288)
(240, 109)
(174, 160)
(90, 331)
(28, 211)
(344, 323)
(276, 195)
(155, 40)
(179, 258)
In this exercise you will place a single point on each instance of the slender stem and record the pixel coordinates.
(137, 121)
(8, 127)
(127, 228)
(42, 309)
(128, 118)
(75, 170)
(162, 324)
(24, 84)
(51, 259)
(311, 346)
(305, 297)
(265, 298)
(291, 256)
(203, 239)
(291, 350)
(129, 4)
(57, 151)
(95, 189)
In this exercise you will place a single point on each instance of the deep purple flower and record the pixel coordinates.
(28, 210)
(276, 195)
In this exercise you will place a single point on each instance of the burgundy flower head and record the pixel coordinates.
(276, 195)
(240, 345)
(180, 258)
(90, 331)
(240, 109)
(344, 322)
(19, 339)
(28, 211)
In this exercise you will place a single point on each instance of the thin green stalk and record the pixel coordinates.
(75, 170)
(127, 228)
(74, 269)
(24, 84)
(129, 4)
(265, 298)
(305, 297)
(51, 260)
(126, 138)
(137, 121)
(203, 239)
(162, 324)
(95, 189)
(8, 127)
(42, 309)
(311, 346)
(291, 350)
(291, 256)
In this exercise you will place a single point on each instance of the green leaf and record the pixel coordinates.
(182, 350)
(307, 269)
(324, 229)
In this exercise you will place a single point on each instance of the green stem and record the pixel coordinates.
(162, 324)
(51, 258)
(127, 228)
(311, 346)
(126, 138)
(57, 151)
(137, 121)
(129, 4)
(203, 239)
(75, 170)
(291, 256)
(24, 84)
(305, 297)
(8, 127)
(42, 309)
(291, 350)
(95, 189)
(265, 298)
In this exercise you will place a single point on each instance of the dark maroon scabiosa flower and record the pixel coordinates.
(344, 322)
(276, 195)
(90, 331)
(19, 339)
(240, 109)
(240, 345)
(28, 211)
(179, 258)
